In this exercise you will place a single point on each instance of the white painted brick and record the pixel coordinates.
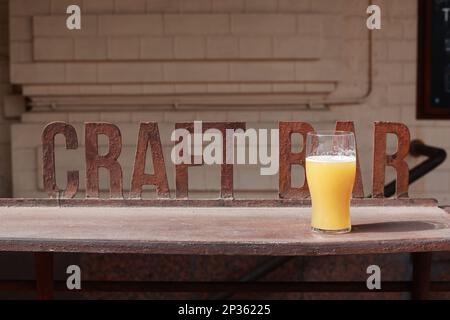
(297, 47)
(249, 178)
(255, 47)
(81, 72)
(130, 6)
(223, 88)
(328, 6)
(24, 159)
(215, 116)
(26, 135)
(227, 6)
(191, 88)
(157, 48)
(437, 181)
(91, 48)
(60, 6)
(409, 72)
(410, 29)
(255, 88)
(38, 73)
(126, 89)
(238, 115)
(388, 73)
(196, 24)
(265, 24)
(95, 89)
(355, 28)
(81, 117)
(21, 52)
(115, 117)
(222, 47)
(29, 7)
(43, 117)
(99, 6)
(196, 6)
(402, 8)
(25, 180)
(434, 135)
(402, 50)
(180, 116)
(129, 72)
(158, 89)
(195, 71)
(401, 94)
(50, 49)
(64, 90)
(197, 178)
(164, 6)
(20, 29)
(318, 71)
(263, 71)
(256, 6)
(289, 6)
(135, 25)
(49, 26)
(35, 90)
(390, 29)
(289, 87)
(276, 115)
(320, 87)
(190, 47)
(146, 116)
(312, 24)
(124, 48)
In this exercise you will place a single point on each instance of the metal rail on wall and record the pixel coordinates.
(435, 157)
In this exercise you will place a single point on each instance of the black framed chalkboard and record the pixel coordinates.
(433, 101)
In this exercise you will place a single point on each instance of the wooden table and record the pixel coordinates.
(218, 227)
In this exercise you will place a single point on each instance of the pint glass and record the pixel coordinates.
(330, 172)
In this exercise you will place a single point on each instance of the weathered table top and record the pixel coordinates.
(237, 229)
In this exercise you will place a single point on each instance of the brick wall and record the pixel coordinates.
(212, 55)
(145, 58)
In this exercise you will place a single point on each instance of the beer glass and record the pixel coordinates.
(330, 172)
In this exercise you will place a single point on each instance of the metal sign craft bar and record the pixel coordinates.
(149, 137)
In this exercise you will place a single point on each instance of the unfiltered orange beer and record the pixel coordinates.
(330, 180)
(330, 172)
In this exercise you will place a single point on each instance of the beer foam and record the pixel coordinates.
(333, 159)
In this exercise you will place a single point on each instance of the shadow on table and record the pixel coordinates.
(398, 226)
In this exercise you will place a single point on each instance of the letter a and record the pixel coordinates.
(74, 20)
(374, 280)
(74, 280)
(374, 21)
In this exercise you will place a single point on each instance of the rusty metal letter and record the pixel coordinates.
(94, 161)
(48, 148)
(226, 170)
(288, 158)
(381, 160)
(358, 188)
(149, 134)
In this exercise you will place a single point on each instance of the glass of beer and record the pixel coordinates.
(330, 172)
